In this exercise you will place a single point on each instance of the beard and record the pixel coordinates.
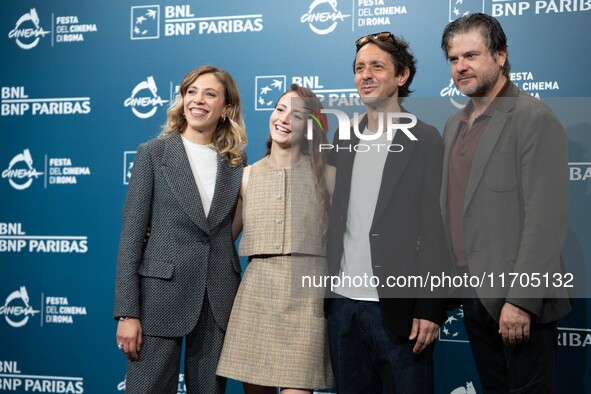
(484, 87)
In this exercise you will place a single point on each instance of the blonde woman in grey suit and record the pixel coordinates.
(180, 283)
(277, 335)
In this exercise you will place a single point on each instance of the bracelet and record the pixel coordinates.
(123, 318)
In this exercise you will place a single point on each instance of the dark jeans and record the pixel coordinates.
(525, 368)
(367, 358)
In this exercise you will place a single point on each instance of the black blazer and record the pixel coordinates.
(406, 236)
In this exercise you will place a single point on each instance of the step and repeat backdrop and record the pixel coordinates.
(83, 83)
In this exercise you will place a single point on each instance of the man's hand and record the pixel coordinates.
(425, 332)
(514, 324)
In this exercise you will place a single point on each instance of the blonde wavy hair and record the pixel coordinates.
(230, 134)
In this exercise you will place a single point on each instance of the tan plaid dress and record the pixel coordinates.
(277, 334)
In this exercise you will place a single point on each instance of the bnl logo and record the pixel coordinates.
(145, 22)
(128, 159)
(459, 8)
(453, 329)
(268, 89)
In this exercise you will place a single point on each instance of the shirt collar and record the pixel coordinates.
(492, 107)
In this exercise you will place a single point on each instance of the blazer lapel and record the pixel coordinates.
(488, 142)
(449, 139)
(178, 174)
(394, 167)
(227, 181)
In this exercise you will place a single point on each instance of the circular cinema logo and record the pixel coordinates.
(456, 98)
(27, 31)
(20, 171)
(144, 100)
(16, 308)
(323, 16)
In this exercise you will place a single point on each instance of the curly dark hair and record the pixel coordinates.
(402, 58)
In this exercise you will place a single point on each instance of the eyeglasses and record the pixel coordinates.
(383, 36)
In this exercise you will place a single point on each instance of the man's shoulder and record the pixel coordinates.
(425, 131)
(522, 104)
(529, 105)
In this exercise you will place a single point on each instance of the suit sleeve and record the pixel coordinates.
(433, 253)
(136, 219)
(543, 161)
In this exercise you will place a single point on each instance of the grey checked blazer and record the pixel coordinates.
(164, 281)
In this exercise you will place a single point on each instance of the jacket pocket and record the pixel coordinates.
(156, 269)
(500, 174)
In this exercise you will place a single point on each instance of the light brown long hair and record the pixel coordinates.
(230, 135)
(310, 148)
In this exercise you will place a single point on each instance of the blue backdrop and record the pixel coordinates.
(83, 83)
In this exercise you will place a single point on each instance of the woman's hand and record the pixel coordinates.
(129, 337)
